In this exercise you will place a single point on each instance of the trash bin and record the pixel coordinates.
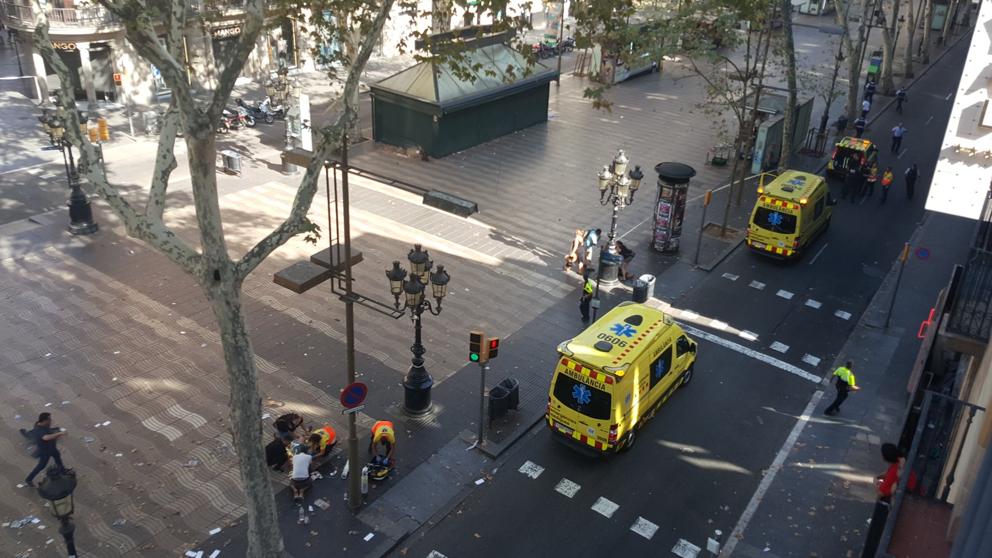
(512, 385)
(640, 291)
(150, 120)
(499, 403)
(232, 161)
(648, 280)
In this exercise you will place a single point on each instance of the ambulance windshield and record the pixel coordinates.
(775, 221)
(582, 398)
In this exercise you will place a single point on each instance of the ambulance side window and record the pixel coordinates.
(818, 208)
(661, 366)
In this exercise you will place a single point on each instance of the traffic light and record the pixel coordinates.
(475, 347)
(493, 348)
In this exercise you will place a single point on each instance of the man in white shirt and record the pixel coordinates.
(897, 133)
(300, 480)
(865, 107)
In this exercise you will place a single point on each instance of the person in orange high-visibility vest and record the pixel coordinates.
(383, 443)
(887, 178)
(321, 441)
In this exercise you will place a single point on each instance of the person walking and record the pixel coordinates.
(859, 126)
(900, 99)
(912, 173)
(887, 178)
(589, 241)
(585, 300)
(44, 437)
(865, 107)
(870, 91)
(897, 133)
(844, 382)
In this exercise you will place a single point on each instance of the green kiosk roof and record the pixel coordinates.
(501, 71)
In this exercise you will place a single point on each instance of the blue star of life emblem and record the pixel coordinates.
(775, 218)
(623, 330)
(582, 394)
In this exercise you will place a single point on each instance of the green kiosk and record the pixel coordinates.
(489, 90)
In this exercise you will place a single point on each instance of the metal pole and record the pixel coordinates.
(482, 403)
(561, 38)
(68, 529)
(702, 224)
(354, 480)
(80, 212)
(902, 265)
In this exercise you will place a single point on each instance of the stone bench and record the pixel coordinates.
(450, 203)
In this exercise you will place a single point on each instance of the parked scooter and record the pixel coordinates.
(234, 119)
(255, 111)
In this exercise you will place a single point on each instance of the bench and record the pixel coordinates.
(450, 203)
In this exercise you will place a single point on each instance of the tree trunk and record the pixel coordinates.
(785, 157)
(948, 20)
(264, 539)
(440, 16)
(889, 37)
(853, 51)
(224, 294)
(927, 25)
(910, 36)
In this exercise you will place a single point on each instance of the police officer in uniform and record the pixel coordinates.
(844, 382)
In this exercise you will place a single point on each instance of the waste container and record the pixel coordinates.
(499, 403)
(647, 279)
(512, 385)
(150, 120)
(232, 161)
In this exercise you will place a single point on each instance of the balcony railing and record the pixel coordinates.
(23, 14)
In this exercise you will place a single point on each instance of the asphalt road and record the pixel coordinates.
(698, 462)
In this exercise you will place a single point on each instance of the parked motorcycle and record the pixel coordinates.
(234, 119)
(255, 111)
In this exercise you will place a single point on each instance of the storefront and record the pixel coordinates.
(90, 68)
(222, 41)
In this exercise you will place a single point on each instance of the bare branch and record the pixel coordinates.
(237, 56)
(141, 34)
(174, 29)
(152, 232)
(297, 221)
(165, 163)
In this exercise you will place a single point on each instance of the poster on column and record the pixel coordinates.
(662, 225)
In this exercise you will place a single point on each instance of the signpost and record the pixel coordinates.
(353, 395)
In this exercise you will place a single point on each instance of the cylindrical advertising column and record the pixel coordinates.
(673, 187)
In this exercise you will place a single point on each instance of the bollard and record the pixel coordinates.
(104, 130)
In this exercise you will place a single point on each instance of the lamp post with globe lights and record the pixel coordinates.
(418, 382)
(57, 487)
(617, 186)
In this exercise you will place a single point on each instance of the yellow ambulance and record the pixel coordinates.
(613, 376)
(791, 211)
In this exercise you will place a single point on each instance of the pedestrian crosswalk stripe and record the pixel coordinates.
(780, 347)
(784, 294)
(531, 469)
(811, 360)
(843, 315)
(567, 488)
(685, 549)
(731, 276)
(813, 303)
(605, 507)
(756, 285)
(644, 528)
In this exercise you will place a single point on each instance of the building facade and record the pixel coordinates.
(90, 41)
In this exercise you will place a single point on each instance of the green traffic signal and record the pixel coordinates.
(474, 357)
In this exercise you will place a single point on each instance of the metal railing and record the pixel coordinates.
(94, 16)
(939, 436)
(971, 311)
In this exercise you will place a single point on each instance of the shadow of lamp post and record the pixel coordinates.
(418, 382)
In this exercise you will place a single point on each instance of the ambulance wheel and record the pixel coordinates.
(687, 376)
(628, 441)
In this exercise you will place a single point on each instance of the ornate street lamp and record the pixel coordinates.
(57, 488)
(617, 186)
(418, 382)
(80, 213)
